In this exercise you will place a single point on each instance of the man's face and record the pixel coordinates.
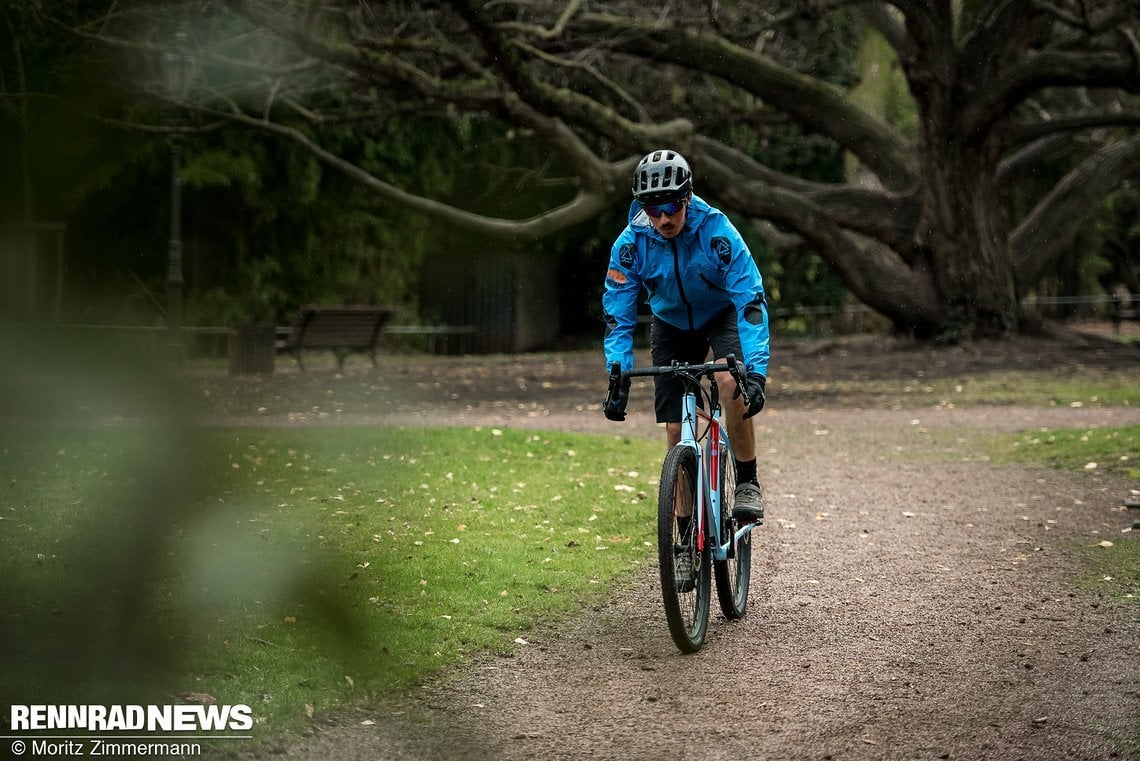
(668, 218)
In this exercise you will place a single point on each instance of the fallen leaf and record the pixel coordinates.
(201, 698)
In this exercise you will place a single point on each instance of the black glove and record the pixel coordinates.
(618, 396)
(754, 384)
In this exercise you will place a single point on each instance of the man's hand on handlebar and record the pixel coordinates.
(618, 396)
(754, 393)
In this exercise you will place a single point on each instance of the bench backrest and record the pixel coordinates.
(339, 326)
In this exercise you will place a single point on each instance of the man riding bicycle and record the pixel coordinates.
(705, 291)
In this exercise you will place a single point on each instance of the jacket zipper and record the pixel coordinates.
(680, 284)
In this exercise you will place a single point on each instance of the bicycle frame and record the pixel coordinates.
(709, 487)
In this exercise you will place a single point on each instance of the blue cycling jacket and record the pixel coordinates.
(690, 279)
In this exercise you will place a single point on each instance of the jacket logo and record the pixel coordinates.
(722, 248)
(625, 255)
(616, 276)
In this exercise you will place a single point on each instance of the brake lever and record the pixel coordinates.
(739, 376)
(615, 381)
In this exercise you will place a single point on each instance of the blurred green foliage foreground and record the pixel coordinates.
(296, 569)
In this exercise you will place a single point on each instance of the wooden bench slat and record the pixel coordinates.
(350, 329)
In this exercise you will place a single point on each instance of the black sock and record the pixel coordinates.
(746, 471)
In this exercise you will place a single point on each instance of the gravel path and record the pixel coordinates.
(909, 598)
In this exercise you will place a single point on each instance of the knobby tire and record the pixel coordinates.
(732, 575)
(686, 601)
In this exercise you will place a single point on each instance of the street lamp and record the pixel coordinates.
(177, 70)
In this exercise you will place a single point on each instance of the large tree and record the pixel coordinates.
(921, 228)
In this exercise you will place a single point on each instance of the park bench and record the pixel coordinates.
(344, 330)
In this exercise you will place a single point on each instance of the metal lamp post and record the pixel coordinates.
(177, 71)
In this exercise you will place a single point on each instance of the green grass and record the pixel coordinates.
(1094, 388)
(1112, 450)
(299, 570)
(1112, 568)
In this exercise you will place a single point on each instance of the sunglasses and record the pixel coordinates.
(669, 208)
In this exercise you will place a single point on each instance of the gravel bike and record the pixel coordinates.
(697, 537)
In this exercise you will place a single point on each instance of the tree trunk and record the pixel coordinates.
(964, 237)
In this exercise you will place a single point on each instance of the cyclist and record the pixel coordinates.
(705, 291)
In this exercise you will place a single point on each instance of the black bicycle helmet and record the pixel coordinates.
(662, 175)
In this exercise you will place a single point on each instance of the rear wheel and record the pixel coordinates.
(732, 575)
(686, 578)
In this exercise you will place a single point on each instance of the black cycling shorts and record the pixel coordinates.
(668, 343)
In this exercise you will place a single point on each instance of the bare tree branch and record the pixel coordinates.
(883, 19)
(584, 206)
(1050, 227)
(1048, 69)
(825, 108)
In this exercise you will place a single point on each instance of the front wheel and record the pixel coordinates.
(732, 575)
(686, 583)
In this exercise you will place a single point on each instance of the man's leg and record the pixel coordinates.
(741, 432)
(748, 498)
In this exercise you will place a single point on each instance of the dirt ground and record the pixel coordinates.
(909, 598)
